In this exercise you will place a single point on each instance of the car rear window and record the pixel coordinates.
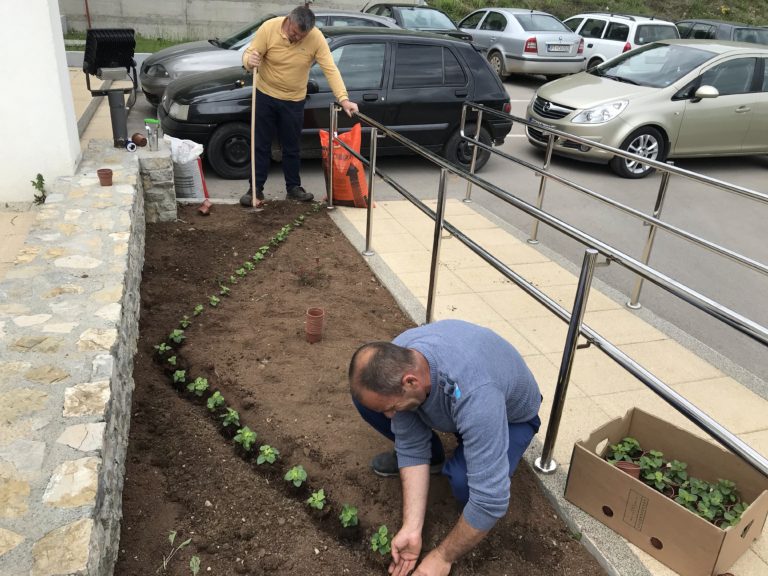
(420, 65)
(540, 23)
(646, 33)
(751, 35)
(617, 31)
(425, 18)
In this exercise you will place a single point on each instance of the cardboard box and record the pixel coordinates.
(653, 522)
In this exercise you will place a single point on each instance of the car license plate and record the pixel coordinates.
(558, 47)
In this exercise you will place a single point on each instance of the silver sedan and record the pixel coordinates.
(518, 41)
(158, 70)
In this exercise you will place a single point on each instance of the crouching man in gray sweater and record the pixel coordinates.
(457, 377)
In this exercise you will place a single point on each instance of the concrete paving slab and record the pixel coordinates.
(465, 306)
(506, 331)
(670, 361)
(596, 374)
(447, 283)
(621, 326)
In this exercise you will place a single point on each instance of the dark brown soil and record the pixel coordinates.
(184, 475)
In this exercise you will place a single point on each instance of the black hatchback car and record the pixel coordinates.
(412, 82)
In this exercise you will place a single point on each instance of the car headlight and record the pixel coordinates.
(600, 114)
(157, 71)
(178, 111)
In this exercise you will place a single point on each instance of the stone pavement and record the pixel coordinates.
(67, 315)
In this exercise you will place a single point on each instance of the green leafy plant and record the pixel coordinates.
(180, 376)
(381, 541)
(39, 185)
(171, 360)
(263, 250)
(213, 301)
(267, 454)
(299, 221)
(185, 322)
(677, 472)
(348, 516)
(224, 290)
(198, 386)
(174, 549)
(177, 336)
(232, 280)
(296, 475)
(628, 450)
(230, 418)
(246, 438)
(162, 348)
(317, 500)
(241, 272)
(194, 565)
(258, 257)
(215, 401)
(198, 310)
(248, 265)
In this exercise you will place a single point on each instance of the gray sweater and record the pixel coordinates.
(479, 383)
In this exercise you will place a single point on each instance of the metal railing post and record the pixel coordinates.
(371, 177)
(634, 299)
(468, 195)
(332, 128)
(439, 217)
(542, 187)
(545, 463)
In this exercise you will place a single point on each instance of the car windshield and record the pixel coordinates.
(241, 36)
(751, 35)
(655, 65)
(425, 19)
(541, 23)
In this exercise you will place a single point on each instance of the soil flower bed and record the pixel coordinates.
(244, 350)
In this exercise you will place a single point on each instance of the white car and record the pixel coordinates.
(608, 35)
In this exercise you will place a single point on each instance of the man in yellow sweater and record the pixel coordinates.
(282, 52)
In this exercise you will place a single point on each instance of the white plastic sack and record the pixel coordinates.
(183, 151)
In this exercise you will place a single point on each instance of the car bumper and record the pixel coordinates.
(545, 66)
(153, 86)
(200, 133)
(564, 147)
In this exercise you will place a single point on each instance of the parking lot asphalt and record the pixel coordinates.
(470, 289)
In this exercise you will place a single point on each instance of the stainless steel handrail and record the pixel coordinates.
(687, 409)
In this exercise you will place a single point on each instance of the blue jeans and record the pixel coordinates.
(284, 119)
(520, 436)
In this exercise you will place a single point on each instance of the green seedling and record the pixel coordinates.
(241, 272)
(162, 348)
(180, 376)
(258, 257)
(677, 471)
(246, 438)
(171, 360)
(317, 500)
(263, 249)
(231, 418)
(224, 290)
(296, 475)
(232, 280)
(185, 322)
(213, 301)
(177, 336)
(248, 265)
(198, 386)
(215, 401)
(348, 516)
(267, 454)
(628, 449)
(274, 241)
(174, 550)
(194, 565)
(380, 541)
(39, 184)
(198, 310)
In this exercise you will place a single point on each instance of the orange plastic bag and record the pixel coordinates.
(349, 184)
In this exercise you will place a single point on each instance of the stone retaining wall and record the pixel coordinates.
(69, 314)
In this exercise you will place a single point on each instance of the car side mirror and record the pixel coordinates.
(313, 87)
(705, 92)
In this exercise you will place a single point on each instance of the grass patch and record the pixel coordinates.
(76, 41)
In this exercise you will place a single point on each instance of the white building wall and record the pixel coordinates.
(37, 113)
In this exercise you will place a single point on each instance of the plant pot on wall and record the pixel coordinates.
(314, 324)
(105, 176)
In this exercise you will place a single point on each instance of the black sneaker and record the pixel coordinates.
(385, 464)
(299, 194)
(247, 198)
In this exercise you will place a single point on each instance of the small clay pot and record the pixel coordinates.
(314, 325)
(139, 139)
(630, 468)
(105, 176)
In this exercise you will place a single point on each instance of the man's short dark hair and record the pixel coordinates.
(303, 17)
(379, 367)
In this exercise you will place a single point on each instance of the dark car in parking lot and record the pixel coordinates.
(412, 82)
(721, 30)
(419, 17)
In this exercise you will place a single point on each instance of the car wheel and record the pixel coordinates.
(496, 61)
(229, 151)
(646, 142)
(458, 151)
(594, 62)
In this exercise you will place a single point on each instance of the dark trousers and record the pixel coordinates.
(282, 119)
(520, 436)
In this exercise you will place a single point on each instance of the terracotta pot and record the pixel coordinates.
(314, 324)
(105, 176)
(629, 467)
(139, 139)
